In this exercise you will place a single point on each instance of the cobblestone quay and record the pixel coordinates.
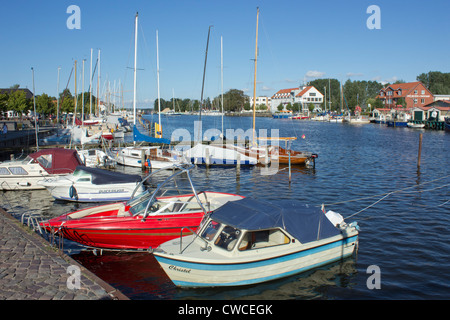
(30, 269)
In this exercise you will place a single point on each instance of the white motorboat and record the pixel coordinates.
(96, 158)
(93, 185)
(415, 125)
(248, 241)
(25, 174)
(153, 156)
(217, 155)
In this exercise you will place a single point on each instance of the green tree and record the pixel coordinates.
(45, 105)
(17, 101)
(3, 102)
(66, 101)
(333, 91)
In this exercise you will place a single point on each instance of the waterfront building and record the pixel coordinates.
(415, 95)
(303, 95)
(442, 97)
(437, 111)
(263, 100)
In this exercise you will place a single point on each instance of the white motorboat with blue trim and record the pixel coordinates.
(88, 184)
(250, 241)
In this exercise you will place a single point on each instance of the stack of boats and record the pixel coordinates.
(212, 238)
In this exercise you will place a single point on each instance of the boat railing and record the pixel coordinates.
(182, 169)
(195, 237)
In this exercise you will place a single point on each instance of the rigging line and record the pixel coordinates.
(382, 194)
(398, 191)
(425, 206)
(370, 205)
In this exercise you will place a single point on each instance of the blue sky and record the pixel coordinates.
(298, 41)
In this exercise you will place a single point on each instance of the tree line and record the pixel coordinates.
(362, 93)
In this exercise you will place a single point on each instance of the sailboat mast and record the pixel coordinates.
(135, 66)
(157, 72)
(76, 100)
(221, 76)
(254, 81)
(90, 88)
(204, 72)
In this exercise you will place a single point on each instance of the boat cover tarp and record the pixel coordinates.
(305, 223)
(138, 136)
(58, 160)
(103, 176)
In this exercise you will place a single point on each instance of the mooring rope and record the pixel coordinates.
(400, 191)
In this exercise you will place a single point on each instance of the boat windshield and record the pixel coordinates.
(227, 238)
(210, 230)
(138, 207)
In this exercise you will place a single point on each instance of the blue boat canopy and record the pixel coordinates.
(305, 223)
(102, 176)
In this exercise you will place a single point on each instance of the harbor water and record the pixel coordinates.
(368, 173)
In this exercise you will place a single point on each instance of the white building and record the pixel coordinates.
(260, 101)
(309, 95)
(304, 96)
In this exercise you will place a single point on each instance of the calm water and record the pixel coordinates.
(405, 234)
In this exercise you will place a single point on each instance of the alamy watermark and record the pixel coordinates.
(374, 21)
(374, 280)
(74, 280)
(74, 20)
(261, 150)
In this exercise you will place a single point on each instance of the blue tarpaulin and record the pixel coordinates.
(305, 223)
(138, 136)
(102, 176)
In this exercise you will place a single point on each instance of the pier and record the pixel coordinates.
(33, 270)
(433, 125)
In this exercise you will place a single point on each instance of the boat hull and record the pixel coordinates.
(185, 273)
(133, 233)
(92, 193)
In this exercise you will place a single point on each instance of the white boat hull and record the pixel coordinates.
(216, 155)
(261, 268)
(28, 181)
(133, 157)
(64, 189)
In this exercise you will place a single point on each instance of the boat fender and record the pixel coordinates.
(73, 193)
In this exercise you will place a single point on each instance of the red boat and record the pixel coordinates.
(140, 223)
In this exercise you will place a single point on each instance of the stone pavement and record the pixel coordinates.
(30, 269)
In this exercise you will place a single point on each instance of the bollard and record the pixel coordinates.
(289, 152)
(143, 159)
(420, 150)
(207, 157)
(238, 164)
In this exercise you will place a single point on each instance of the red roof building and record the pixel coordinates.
(415, 95)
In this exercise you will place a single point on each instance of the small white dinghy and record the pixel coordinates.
(248, 241)
(88, 184)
